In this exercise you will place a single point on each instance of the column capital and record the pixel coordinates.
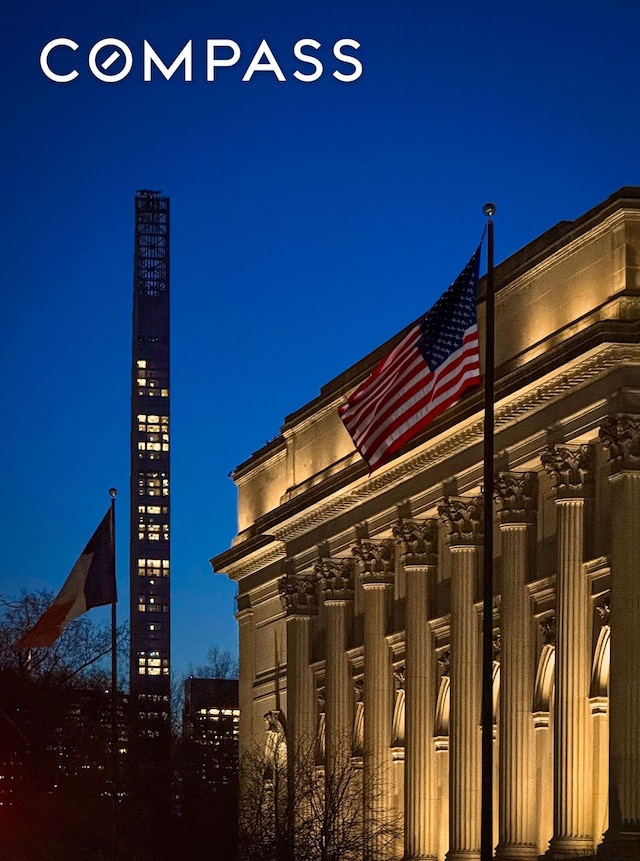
(571, 468)
(417, 541)
(463, 517)
(517, 496)
(335, 579)
(375, 562)
(620, 438)
(299, 594)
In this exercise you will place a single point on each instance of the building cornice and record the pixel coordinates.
(514, 409)
(249, 556)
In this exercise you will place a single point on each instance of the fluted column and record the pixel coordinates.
(620, 436)
(463, 518)
(298, 593)
(418, 543)
(572, 471)
(517, 500)
(376, 567)
(335, 580)
(246, 635)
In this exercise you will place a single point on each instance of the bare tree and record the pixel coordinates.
(291, 810)
(219, 664)
(55, 711)
(78, 656)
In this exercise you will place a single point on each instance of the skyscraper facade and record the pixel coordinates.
(150, 540)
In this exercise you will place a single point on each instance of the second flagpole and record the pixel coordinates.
(114, 664)
(486, 814)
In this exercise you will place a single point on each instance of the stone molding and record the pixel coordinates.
(620, 438)
(417, 541)
(375, 561)
(463, 517)
(572, 470)
(517, 496)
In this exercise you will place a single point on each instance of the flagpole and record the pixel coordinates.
(114, 664)
(486, 817)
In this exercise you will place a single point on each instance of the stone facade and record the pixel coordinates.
(347, 583)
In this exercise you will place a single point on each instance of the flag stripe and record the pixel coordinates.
(426, 372)
(91, 583)
(422, 399)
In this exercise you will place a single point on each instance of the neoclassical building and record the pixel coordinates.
(359, 598)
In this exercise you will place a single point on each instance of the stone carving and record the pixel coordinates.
(571, 468)
(299, 594)
(496, 648)
(517, 495)
(620, 437)
(604, 611)
(335, 578)
(274, 722)
(548, 628)
(444, 662)
(375, 561)
(322, 701)
(417, 541)
(463, 518)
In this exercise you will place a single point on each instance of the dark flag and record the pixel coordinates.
(422, 376)
(91, 583)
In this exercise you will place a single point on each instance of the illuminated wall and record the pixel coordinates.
(376, 579)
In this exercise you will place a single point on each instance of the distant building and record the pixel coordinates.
(359, 598)
(54, 738)
(207, 798)
(211, 722)
(150, 599)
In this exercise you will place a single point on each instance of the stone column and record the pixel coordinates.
(463, 518)
(335, 580)
(516, 494)
(620, 436)
(572, 471)
(247, 650)
(376, 567)
(298, 593)
(418, 544)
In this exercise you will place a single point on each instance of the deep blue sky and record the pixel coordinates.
(310, 222)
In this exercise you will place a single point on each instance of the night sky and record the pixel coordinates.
(310, 222)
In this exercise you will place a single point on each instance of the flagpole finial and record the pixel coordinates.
(489, 209)
(113, 492)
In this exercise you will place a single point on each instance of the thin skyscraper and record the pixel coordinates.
(150, 506)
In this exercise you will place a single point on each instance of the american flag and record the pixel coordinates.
(424, 374)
